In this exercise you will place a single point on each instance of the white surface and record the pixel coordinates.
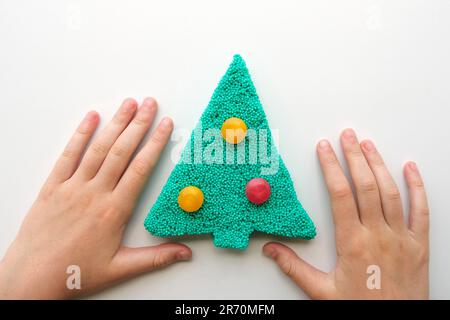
(381, 67)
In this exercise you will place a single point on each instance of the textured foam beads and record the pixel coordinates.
(226, 212)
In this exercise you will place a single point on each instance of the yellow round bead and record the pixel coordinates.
(190, 199)
(234, 130)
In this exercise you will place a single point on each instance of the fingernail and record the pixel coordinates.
(129, 105)
(368, 145)
(324, 144)
(270, 252)
(88, 120)
(166, 122)
(148, 104)
(183, 255)
(91, 115)
(412, 166)
(349, 133)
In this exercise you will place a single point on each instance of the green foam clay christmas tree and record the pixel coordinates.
(230, 180)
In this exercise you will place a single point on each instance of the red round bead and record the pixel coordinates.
(257, 190)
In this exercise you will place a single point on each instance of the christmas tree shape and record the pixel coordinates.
(222, 171)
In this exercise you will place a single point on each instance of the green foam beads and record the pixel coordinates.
(221, 170)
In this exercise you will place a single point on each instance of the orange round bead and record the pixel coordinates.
(190, 199)
(234, 130)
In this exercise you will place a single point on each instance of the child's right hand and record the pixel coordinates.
(370, 231)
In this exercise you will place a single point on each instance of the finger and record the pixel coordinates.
(311, 280)
(367, 192)
(70, 158)
(122, 150)
(97, 151)
(390, 195)
(142, 165)
(419, 212)
(130, 262)
(345, 211)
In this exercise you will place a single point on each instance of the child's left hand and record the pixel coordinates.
(81, 212)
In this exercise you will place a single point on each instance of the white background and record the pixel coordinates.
(319, 66)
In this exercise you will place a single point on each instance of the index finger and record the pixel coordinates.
(419, 215)
(135, 176)
(345, 212)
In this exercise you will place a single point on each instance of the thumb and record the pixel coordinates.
(311, 280)
(130, 262)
